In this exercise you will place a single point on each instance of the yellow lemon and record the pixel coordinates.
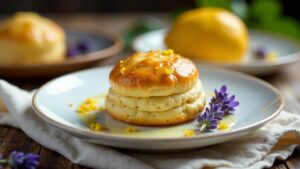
(210, 34)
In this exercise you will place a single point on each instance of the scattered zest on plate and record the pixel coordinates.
(88, 110)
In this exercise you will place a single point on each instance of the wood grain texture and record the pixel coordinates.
(287, 81)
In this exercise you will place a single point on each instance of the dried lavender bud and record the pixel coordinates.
(260, 53)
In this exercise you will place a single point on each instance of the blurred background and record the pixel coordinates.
(131, 18)
(289, 7)
(281, 16)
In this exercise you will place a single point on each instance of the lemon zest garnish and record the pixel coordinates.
(167, 52)
(93, 107)
(96, 127)
(168, 71)
(131, 129)
(91, 101)
(272, 57)
(84, 108)
(90, 104)
(122, 70)
(189, 133)
(223, 126)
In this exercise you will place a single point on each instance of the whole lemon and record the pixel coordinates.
(210, 34)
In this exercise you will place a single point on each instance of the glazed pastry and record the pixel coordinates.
(27, 38)
(155, 88)
(153, 73)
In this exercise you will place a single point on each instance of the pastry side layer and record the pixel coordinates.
(159, 103)
(180, 114)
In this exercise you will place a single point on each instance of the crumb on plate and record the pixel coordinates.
(189, 133)
(272, 57)
(223, 126)
(131, 129)
(90, 104)
(96, 127)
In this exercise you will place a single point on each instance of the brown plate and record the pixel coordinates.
(105, 44)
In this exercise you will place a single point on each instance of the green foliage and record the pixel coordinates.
(265, 10)
(286, 25)
(215, 3)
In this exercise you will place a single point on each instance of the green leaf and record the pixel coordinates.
(265, 10)
(214, 3)
(286, 25)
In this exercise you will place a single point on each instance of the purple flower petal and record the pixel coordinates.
(19, 160)
(223, 89)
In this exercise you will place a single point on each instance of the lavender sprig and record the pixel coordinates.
(221, 104)
(209, 119)
(227, 103)
(19, 160)
(79, 47)
(260, 52)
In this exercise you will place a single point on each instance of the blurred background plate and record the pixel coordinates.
(104, 44)
(288, 51)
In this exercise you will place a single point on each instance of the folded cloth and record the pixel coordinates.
(277, 139)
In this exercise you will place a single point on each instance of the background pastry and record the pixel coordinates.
(27, 38)
(155, 88)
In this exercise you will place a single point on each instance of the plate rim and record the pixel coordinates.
(115, 48)
(106, 136)
(293, 57)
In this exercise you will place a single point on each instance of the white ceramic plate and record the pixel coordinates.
(259, 103)
(287, 49)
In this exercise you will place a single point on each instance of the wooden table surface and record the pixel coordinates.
(287, 81)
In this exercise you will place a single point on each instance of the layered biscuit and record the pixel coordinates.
(155, 88)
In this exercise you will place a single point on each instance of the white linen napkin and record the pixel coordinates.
(277, 139)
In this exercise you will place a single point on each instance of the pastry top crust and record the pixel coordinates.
(153, 73)
(31, 29)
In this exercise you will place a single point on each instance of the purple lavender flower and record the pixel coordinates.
(19, 160)
(78, 47)
(220, 105)
(227, 103)
(209, 119)
(73, 50)
(84, 46)
(260, 52)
